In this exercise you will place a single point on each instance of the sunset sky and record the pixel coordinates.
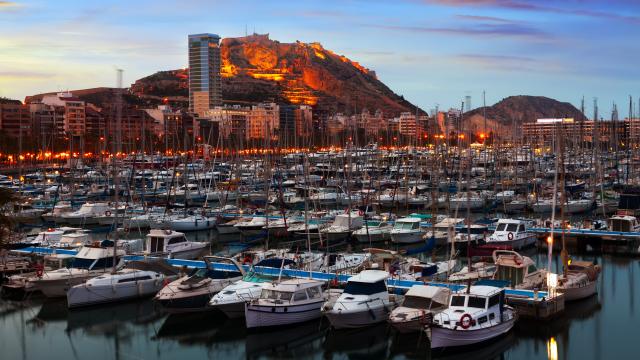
(430, 51)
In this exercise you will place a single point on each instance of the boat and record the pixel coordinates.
(519, 271)
(364, 301)
(172, 244)
(512, 232)
(252, 227)
(192, 292)
(279, 227)
(87, 214)
(373, 231)
(52, 235)
(623, 222)
(418, 306)
(473, 317)
(231, 300)
(343, 225)
(193, 222)
(138, 280)
(479, 270)
(90, 261)
(407, 231)
(284, 303)
(580, 280)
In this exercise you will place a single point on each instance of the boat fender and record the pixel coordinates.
(510, 236)
(466, 321)
(39, 270)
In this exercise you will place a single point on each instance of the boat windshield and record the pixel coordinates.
(405, 225)
(457, 300)
(276, 295)
(416, 302)
(512, 227)
(501, 227)
(362, 288)
(477, 302)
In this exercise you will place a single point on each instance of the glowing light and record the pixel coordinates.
(552, 349)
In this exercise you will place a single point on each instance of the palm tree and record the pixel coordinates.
(6, 222)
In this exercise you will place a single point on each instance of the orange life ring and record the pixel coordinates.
(517, 260)
(510, 236)
(334, 281)
(466, 321)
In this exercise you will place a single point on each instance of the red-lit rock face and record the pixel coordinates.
(297, 73)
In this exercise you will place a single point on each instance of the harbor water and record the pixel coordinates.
(601, 327)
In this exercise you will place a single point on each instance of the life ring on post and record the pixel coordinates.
(510, 236)
(466, 321)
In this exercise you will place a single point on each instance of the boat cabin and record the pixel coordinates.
(624, 223)
(519, 271)
(160, 241)
(407, 223)
(480, 308)
(290, 292)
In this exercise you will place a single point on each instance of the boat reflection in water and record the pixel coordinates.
(105, 319)
(371, 342)
(296, 341)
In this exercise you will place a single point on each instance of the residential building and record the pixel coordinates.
(205, 82)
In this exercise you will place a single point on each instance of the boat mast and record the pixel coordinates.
(114, 158)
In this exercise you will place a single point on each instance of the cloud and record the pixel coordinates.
(481, 29)
(484, 18)
(25, 75)
(539, 6)
(506, 62)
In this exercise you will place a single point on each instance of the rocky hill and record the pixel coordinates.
(519, 109)
(256, 69)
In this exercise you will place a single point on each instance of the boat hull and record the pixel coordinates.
(59, 287)
(258, 316)
(579, 293)
(406, 238)
(84, 295)
(442, 338)
(357, 319)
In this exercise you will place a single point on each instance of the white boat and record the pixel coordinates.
(519, 271)
(623, 222)
(279, 227)
(89, 262)
(283, 303)
(335, 263)
(172, 244)
(472, 318)
(253, 227)
(229, 227)
(130, 283)
(87, 214)
(231, 300)
(374, 231)
(462, 201)
(570, 207)
(505, 196)
(364, 301)
(580, 281)
(192, 292)
(418, 306)
(512, 232)
(194, 222)
(479, 270)
(445, 230)
(52, 235)
(342, 227)
(59, 209)
(407, 231)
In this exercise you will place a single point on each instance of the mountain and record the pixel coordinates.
(258, 69)
(519, 109)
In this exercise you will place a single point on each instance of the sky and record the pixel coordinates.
(434, 52)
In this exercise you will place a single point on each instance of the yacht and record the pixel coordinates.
(374, 231)
(512, 232)
(343, 225)
(364, 301)
(90, 261)
(193, 222)
(520, 272)
(473, 317)
(173, 244)
(52, 235)
(59, 209)
(407, 231)
(87, 214)
(445, 230)
(253, 227)
(231, 300)
(136, 281)
(192, 292)
(418, 306)
(287, 302)
(279, 227)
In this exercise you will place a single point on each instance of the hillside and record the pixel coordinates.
(256, 69)
(519, 109)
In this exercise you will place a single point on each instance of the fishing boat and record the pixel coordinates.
(192, 292)
(519, 271)
(407, 231)
(364, 301)
(418, 306)
(138, 280)
(512, 232)
(172, 244)
(579, 281)
(284, 303)
(473, 317)
(91, 261)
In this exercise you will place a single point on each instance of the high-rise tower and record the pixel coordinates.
(205, 84)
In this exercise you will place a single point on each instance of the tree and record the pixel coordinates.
(7, 197)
